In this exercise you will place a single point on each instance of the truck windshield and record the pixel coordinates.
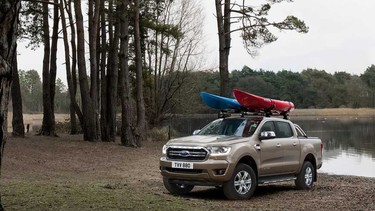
(228, 127)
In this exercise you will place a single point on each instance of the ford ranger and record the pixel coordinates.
(238, 153)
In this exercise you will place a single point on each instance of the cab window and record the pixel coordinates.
(268, 126)
(283, 130)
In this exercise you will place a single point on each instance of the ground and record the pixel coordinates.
(66, 173)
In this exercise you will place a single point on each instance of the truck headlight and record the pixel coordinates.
(164, 150)
(218, 150)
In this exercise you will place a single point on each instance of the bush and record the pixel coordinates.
(161, 134)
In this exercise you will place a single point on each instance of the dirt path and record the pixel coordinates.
(68, 162)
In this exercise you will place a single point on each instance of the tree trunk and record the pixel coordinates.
(17, 122)
(140, 130)
(127, 137)
(73, 103)
(113, 82)
(9, 10)
(47, 112)
(93, 34)
(105, 81)
(53, 67)
(74, 108)
(223, 25)
(103, 77)
(89, 121)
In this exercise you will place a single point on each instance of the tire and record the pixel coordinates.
(242, 184)
(305, 178)
(177, 189)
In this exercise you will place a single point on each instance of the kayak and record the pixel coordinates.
(255, 102)
(219, 102)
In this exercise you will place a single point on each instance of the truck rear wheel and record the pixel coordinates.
(178, 189)
(242, 184)
(305, 178)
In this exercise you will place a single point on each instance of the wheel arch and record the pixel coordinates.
(247, 159)
(311, 158)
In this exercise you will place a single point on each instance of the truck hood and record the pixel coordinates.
(203, 140)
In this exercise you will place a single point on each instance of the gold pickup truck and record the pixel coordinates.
(238, 153)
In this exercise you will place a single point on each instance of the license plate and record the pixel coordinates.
(182, 165)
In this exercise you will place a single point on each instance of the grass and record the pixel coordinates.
(29, 195)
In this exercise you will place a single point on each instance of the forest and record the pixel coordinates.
(310, 88)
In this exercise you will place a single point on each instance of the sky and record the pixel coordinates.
(341, 37)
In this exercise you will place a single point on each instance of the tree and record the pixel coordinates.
(93, 15)
(49, 70)
(17, 121)
(110, 81)
(255, 30)
(140, 129)
(90, 132)
(369, 78)
(31, 91)
(9, 10)
(171, 49)
(70, 70)
(127, 114)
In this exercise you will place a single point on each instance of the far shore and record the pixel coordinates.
(35, 119)
(328, 112)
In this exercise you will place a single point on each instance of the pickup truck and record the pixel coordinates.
(238, 153)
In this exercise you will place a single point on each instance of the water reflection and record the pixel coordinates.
(349, 143)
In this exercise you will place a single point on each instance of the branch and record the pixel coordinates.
(43, 2)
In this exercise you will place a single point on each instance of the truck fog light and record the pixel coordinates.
(220, 171)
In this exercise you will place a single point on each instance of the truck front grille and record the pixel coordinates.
(186, 153)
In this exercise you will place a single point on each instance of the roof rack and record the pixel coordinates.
(229, 113)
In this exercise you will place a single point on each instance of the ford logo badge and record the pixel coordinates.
(185, 153)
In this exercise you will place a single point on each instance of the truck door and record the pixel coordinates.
(290, 145)
(271, 153)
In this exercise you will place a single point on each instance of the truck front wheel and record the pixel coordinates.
(305, 179)
(242, 184)
(178, 189)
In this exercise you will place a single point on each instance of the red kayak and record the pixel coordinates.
(254, 102)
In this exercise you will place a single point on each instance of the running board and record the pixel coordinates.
(273, 179)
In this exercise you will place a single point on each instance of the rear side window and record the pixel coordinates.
(300, 132)
(283, 130)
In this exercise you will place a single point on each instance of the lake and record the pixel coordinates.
(349, 142)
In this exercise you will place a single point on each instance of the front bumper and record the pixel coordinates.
(208, 172)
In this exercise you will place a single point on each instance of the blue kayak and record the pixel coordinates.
(219, 102)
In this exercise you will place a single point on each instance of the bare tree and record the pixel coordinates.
(176, 41)
(9, 10)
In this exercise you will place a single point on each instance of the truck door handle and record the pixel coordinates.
(278, 145)
(257, 147)
(294, 143)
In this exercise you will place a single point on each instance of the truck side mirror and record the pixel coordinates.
(267, 135)
(196, 132)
